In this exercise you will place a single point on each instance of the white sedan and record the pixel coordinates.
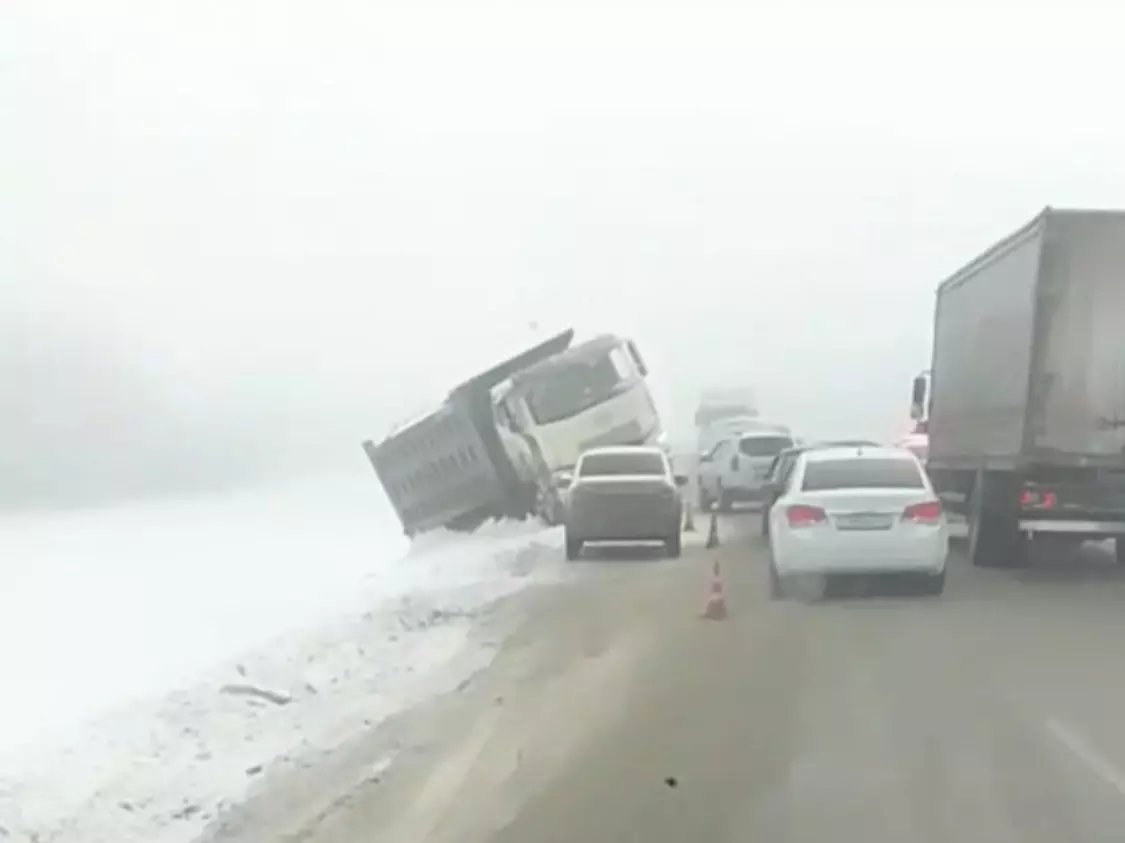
(858, 510)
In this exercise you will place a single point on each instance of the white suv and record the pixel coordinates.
(735, 469)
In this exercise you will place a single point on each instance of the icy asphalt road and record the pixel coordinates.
(614, 713)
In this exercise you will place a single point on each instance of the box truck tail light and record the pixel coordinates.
(928, 512)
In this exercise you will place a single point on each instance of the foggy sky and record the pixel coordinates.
(238, 237)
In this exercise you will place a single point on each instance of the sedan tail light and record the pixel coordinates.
(923, 513)
(800, 515)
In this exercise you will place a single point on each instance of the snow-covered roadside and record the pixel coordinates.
(160, 770)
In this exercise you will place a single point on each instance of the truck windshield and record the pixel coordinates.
(621, 462)
(576, 386)
(711, 413)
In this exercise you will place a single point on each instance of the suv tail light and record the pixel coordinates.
(800, 515)
(1039, 498)
(923, 513)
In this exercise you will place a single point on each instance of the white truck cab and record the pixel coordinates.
(591, 395)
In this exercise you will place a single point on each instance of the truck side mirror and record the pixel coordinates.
(681, 480)
(564, 480)
(918, 398)
(636, 355)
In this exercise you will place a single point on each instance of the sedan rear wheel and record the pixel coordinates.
(726, 501)
(777, 587)
(934, 584)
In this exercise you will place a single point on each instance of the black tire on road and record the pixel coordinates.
(673, 546)
(933, 584)
(995, 540)
(777, 587)
(726, 501)
(573, 548)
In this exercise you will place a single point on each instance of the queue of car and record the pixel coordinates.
(830, 508)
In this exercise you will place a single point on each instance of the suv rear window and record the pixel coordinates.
(764, 446)
(607, 465)
(873, 473)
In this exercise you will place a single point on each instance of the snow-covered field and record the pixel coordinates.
(135, 642)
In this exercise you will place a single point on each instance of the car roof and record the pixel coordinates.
(833, 443)
(860, 452)
(624, 449)
(763, 434)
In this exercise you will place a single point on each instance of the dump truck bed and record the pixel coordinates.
(449, 468)
(436, 470)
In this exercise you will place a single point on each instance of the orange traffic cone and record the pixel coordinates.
(713, 532)
(716, 601)
(689, 519)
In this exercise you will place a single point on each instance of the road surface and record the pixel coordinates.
(615, 713)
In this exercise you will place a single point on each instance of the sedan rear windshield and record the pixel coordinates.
(889, 473)
(607, 465)
(764, 446)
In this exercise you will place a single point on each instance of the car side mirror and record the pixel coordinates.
(681, 480)
(563, 480)
(704, 456)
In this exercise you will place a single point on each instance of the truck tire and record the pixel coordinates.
(573, 548)
(673, 545)
(995, 540)
(550, 507)
(726, 501)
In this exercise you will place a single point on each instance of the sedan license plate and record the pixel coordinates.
(864, 521)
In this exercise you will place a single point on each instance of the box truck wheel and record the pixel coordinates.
(995, 540)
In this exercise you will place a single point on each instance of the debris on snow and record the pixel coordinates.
(275, 697)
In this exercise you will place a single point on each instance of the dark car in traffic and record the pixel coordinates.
(624, 494)
(777, 475)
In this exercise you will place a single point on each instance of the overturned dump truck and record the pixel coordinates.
(502, 444)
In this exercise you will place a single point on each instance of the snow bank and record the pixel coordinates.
(364, 638)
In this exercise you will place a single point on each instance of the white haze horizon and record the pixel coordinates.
(239, 238)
